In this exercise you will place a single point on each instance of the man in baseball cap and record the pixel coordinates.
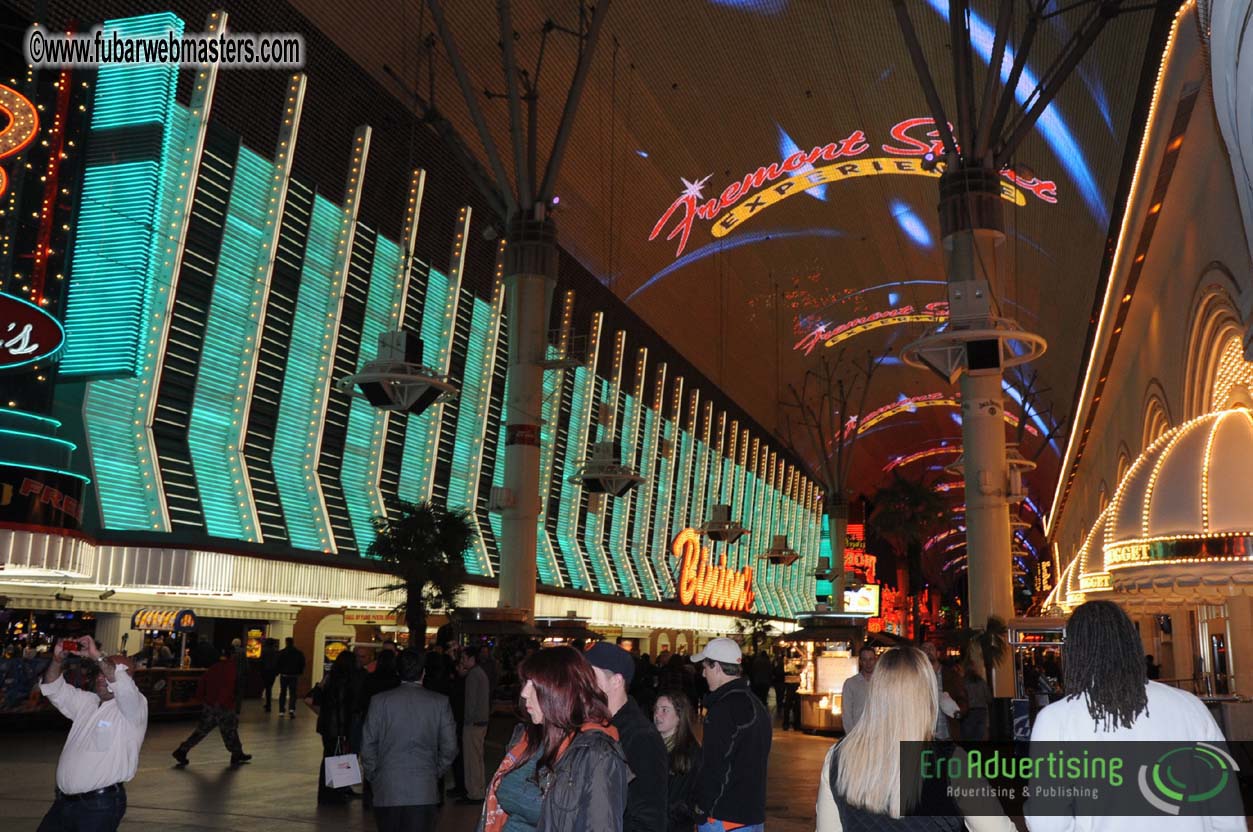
(731, 789)
(646, 809)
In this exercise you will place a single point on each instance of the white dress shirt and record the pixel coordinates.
(103, 745)
(1172, 715)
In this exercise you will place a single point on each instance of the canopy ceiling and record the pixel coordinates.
(691, 97)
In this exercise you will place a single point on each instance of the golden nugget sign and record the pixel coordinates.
(914, 137)
(169, 621)
(710, 585)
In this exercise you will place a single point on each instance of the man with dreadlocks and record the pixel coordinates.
(1109, 697)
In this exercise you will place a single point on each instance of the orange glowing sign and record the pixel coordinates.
(23, 124)
(707, 584)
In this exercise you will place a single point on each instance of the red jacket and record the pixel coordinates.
(217, 685)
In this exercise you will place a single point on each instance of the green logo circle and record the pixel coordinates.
(1189, 774)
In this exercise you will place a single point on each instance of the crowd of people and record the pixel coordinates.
(588, 755)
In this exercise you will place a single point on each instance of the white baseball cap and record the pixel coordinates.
(720, 650)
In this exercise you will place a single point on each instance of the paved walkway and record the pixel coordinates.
(276, 792)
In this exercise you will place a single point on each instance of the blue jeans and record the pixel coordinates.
(100, 813)
(716, 826)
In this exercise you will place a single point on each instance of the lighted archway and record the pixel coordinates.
(1157, 419)
(1215, 322)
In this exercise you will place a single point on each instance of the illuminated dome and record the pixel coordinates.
(1091, 557)
(1187, 496)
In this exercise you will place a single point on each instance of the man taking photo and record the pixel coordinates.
(102, 750)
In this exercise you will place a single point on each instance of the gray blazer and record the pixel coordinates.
(410, 740)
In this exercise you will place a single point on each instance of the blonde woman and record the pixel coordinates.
(860, 783)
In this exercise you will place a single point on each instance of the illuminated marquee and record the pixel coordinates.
(904, 144)
(20, 131)
(829, 336)
(902, 461)
(912, 403)
(706, 584)
(165, 620)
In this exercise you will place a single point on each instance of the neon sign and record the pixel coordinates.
(802, 176)
(21, 129)
(830, 336)
(918, 456)
(913, 403)
(27, 333)
(707, 584)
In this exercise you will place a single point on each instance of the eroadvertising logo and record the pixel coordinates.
(1073, 779)
(1170, 782)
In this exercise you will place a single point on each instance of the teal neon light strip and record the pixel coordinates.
(303, 399)
(622, 508)
(661, 528)
(683, 474)
(61, 471)
(700, 510)
(213, 427)
(363, 441)
(115, 411)
(468, 445)
(643, 504)
(7, 413)
(498, 443)
(571, 492)
(547, 565)
(437, 330)
(117, 244)
(38, 437)
(593, 531)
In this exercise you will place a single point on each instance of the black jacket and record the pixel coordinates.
(682, 797)
(291, 662)
(587, 789)
(732, 781)
(645, 752)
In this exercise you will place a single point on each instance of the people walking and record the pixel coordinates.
(731, 788)
(947, 704)
(408, 742)
(1109, 697)
(861, 785)
(269, 671)
(332, 701)
(974, 725)
(673, 717)
(761, 675)
(241, 673)
(568, 745)
(290, 664)
(216, 690)
(641, 743)
(857, 688)
(102, 750)
(478, 710)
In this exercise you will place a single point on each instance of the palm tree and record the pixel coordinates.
(425, 546)
(754, 628)
(907, 512)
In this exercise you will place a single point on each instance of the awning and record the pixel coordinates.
(495, 628)
(848, 633)
(167, 620)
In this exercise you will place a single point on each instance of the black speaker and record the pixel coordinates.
(983, 355)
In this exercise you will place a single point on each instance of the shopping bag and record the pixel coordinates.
(343, 771)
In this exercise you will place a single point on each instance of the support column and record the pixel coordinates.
(110, 627)
(1240, 650)
(280, 629)
(531, 258)
(970, 218)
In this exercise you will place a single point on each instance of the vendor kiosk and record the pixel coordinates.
(827, 643)
(168, 689)
(566, 631)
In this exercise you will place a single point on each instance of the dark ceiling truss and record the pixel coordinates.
(989, 135)
(520, 86)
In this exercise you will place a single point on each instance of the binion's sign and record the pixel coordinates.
(27, 333)
(707, 584)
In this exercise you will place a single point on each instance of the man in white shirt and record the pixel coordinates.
(1108, 697)
(102, 750)
(857, 687)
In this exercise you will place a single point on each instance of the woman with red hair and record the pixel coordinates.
(564, 770)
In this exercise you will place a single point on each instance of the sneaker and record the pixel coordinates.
(239, 759)
(180, 755)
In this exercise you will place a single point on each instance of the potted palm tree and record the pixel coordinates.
(906, 513)
(424, 546)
